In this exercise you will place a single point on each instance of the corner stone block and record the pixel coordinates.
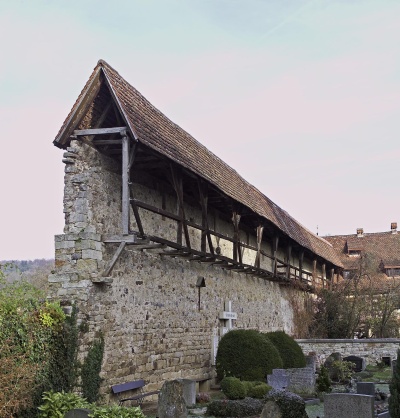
(92, 254)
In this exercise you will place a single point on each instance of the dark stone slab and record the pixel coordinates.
(366, 388)
(359, 362)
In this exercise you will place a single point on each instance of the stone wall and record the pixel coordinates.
(156, 323)
(372, 350)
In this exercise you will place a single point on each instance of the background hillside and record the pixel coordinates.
(33, 271)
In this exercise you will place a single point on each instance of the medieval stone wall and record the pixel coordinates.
(156, 323)
(372, 350)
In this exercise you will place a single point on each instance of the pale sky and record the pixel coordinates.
(302, 98)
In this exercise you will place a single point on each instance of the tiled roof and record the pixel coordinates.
(155, 130)
(380, 246)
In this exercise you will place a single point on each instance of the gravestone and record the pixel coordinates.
(366, 388)
(279, 379)
(78, 413)
(359, 362)
(386, 360)
(171, 400)
(348, 405)
(394, 362)
(189, 391)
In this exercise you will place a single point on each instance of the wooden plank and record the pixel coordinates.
(129, 239)
(102, 118)
(275, 243)
(125, 185)
(100, 131)
(260, 230)
(178, 186)
(301, 258)
(237, 255)
(203, 196)
(288, 257)
(107, 142)
(111, 265)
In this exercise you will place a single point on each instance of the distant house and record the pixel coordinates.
(377, 254)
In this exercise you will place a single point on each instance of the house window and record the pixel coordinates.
(348, 274)
(354, 253)
(393, 272)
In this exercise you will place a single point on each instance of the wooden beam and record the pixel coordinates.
(301, 259)
(100, 131)
(205, 234)
(288, 257)
(323, 275)
(107, 142)
(125, 184)
(102, 117)
(314, 272)
(260, 230)
(237, 254)
(275, 243)
(178, 186)
(111, 264)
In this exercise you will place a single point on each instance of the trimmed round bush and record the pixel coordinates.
(258, 390)
(233, 388)
(239, 408)
(291, 353)
(247, 355)
(290, 404)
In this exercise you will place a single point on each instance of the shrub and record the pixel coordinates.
(291, 353)
(117, 412)
(91, 371)
(31, 345)
(341, 371)
(247, 355)
(233, 388)
(57, 404)
(258, 390)
(235, 408)
(290, 404)
(323, 381)
(203, 397)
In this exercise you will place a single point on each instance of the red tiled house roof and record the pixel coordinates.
(153, 129)
(379, 247)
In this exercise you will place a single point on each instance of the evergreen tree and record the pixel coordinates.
(394, 387)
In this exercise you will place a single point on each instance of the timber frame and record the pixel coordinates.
(112, 132)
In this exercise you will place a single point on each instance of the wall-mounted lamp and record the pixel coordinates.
(199, 284)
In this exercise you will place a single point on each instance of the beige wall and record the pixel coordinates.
(149, 313)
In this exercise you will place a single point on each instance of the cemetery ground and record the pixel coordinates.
(373, 373)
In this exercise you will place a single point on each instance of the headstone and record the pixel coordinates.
(386, 360)
(271, 410)
(171, 401)
(359, 362)
(189, 391)
(279, 379)
(366, 388)
(311, 362)
(348, 405)
(78, 413)
(394, 362)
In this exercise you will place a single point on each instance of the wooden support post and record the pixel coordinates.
(331, 277)
(205, 233)
(314, 272)
(178, 186)
(237, 254)
(288, 258)
(323, 275)
(275, 243)
(260, 230)
(111, 265)
(301, 258)
(125, 184)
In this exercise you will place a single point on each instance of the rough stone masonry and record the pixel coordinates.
(154, 324)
